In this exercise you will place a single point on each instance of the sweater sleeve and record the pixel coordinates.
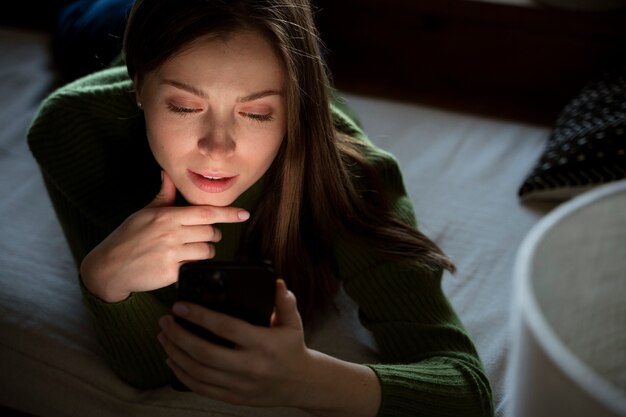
(126, 330)
(430, 365)
(72, 157)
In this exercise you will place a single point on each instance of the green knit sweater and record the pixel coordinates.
(90, 142)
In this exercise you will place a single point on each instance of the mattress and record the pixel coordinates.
(461, 171)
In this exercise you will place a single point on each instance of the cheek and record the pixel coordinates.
(156, 140)
(272, 151)
(276, 147)
(166, 139)
(163, 143)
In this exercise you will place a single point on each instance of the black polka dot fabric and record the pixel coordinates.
(587, 146)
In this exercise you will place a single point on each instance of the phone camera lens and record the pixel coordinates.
(217, 281)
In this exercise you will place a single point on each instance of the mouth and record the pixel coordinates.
(215, 183)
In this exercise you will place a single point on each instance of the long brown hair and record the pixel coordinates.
(321, 184)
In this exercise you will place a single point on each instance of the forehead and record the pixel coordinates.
(240, 59)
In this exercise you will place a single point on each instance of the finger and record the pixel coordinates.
(197, 251)
(167, 193)
(196, 215)
(286, 311)
(215, 392)
(238, 331)
(202, 233)
(198, 348)
(201, 372)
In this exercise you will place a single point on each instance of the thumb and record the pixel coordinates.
(167, 193)
(286, 310)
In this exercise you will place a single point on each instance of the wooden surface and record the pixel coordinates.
(504, 58)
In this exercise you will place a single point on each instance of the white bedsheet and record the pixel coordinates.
(461, 171)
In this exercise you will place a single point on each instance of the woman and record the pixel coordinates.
(224, 111)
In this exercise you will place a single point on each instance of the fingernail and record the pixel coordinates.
(161, 176)
(161, 338)
(243, 215)
(180, 309)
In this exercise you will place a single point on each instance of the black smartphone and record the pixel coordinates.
(245, 290)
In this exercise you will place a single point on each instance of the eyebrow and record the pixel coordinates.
(195, 91)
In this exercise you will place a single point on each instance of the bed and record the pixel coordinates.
(462, 172)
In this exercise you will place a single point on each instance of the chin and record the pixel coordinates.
(206, 199)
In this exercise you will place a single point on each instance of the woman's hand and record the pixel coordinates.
(266, 366)
(269, 367)
(146, 250)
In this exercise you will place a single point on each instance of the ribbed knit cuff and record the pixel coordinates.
(127, 332)
(436, 388)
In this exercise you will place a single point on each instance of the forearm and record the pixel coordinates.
(338, 388)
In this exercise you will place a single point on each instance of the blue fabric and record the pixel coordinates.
(88, 35)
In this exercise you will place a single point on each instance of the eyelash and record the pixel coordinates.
(258, 117)
(185, 111)
(182, 111)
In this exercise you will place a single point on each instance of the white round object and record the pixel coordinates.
(568, 355)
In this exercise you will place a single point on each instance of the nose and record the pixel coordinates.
(216, 142)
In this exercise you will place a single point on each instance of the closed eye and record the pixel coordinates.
(258, 117)
(183, 111)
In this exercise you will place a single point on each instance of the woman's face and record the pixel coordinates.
(216, 116)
